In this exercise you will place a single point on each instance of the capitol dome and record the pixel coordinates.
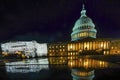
(84, 27)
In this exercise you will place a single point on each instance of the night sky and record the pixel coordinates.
(53, 20)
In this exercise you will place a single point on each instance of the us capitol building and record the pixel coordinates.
(83, 42)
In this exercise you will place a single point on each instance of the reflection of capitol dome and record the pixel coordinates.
(84, 27)
(78, 74)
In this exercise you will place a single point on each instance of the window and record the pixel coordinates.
(101, 44)
(80, 34)
(91, 45)
(53, 50)
(56, 46)
(112, 47)
(52, 46)
(84, 34)
(60, 50)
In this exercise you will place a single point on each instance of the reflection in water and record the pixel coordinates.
(83, 68)
(87, 63)
(58, 60)
(26, 66)
(82, 74)
(80, 68)
(27, 69)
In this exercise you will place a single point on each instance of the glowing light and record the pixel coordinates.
(101, 45)
(4, 53)
(71, 63)
(71, 47)
(86, 64)
(23, 56)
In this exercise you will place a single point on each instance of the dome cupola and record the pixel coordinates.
(83, 27)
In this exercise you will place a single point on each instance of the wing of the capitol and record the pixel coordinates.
(83, 42)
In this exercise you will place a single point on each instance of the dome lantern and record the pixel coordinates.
(83, 12)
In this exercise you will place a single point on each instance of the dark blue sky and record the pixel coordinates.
(53, 20)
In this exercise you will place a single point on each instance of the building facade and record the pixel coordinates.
(83, 27)
(83, 42)
(57, 49)
(24, 49)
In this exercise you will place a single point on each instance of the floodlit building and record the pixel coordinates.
(89, 46)
(83, 42)
(24, 49)
(83, 27)
(41, 49)
(57, 49)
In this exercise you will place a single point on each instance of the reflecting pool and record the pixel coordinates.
(59, 68)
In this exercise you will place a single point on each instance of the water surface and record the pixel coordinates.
(59, 68)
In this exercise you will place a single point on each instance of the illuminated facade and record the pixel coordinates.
(24, 49)
(83, 28)
(83, 42)
(57, 49)
(115, 47)
(89, 46)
